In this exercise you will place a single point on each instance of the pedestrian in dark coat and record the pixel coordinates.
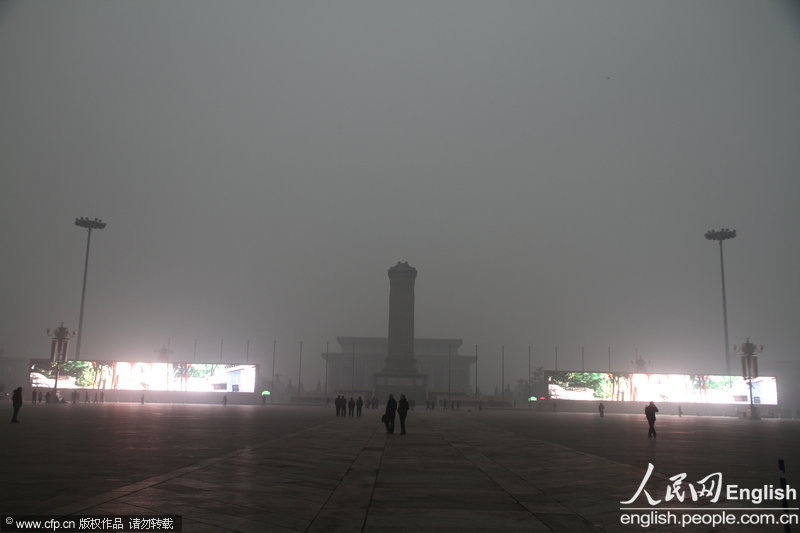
(16, 403)
(650, 413)
(391, 411)
(402, 410)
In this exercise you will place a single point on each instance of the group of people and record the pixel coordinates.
(399, 408)
(48, 397)
(394, 409)
(351, 407)
(98, 398)
(454, 405)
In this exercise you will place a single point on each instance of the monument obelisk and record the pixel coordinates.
(400, 375)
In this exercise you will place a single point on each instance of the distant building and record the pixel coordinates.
(446, 374)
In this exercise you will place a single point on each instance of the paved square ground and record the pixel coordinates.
(286, 468)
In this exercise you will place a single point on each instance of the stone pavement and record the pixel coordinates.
(450, 473)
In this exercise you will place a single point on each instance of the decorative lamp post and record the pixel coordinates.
(89, 224)
(59, 347)
(749, 354)
(163, 353)
(163, 356)
(719, 236)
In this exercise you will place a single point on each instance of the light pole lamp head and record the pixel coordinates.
(59, 343)
(60, 332)
(90, 224)
(748, 348)
(720, 235)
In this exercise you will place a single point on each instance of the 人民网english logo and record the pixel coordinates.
(708, 501)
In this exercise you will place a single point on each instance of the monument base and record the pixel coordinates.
(414, 386)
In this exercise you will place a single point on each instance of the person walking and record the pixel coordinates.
(16, 403)
(402, 410)
(359, 405)
(650, 413)
(389, 414)
(351, 406)
(602, 409)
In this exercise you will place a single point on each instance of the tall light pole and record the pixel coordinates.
(719, 236)
(353, 378)
(89, 224)
(300, 371)
(503, 371)
(272, 385)
(530, 389)
(449, 371)
(326, 370)
(476, 373)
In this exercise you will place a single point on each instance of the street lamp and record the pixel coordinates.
(749, 353)
(163, 352)
(89, 224)
(163, 356)
(59, 348)
(719, 236)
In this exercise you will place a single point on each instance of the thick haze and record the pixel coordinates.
(550, 168)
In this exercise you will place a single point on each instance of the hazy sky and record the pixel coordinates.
(549, 167)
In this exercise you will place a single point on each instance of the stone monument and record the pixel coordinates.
(400, 374)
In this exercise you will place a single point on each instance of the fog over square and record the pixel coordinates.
(550, 168)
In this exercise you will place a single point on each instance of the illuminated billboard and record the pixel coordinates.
(142, 376)
(680, 388)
